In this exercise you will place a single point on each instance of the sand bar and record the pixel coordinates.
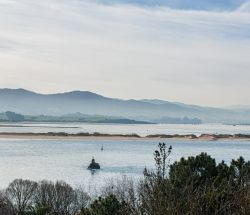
(132, 137)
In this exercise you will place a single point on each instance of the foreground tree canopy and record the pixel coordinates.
(193, 185)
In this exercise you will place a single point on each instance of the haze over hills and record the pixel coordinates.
(239, 107)
(31, 103)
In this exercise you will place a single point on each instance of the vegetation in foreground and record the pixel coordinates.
(193, 185)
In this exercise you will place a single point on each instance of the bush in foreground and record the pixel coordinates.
(196, 185)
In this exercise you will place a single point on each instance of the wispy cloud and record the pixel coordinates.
(182, 4)
(245, 7)
(127, 50)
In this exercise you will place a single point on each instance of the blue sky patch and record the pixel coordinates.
(184, 4)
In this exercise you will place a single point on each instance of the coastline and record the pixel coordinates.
(132, 137)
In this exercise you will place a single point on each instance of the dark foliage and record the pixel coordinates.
(107, 206)
(196, 185)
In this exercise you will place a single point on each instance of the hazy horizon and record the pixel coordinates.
(195, 53)
(131, 98)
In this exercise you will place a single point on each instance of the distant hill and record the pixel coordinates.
(31, 103)
(77, 117)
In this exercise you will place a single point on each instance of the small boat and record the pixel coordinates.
(93, 165)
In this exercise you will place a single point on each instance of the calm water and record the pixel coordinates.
(142, 130)
(68, 160)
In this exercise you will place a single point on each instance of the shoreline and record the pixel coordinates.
(100, 136)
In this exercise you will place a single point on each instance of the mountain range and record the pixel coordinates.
(30, 103)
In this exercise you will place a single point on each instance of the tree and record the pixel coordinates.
(44, 197)
(106, 206)
(21, 193)
(6, 206)
(124, 189)
(58, 199)
(155, 189)
(14, 117)
(195, 170)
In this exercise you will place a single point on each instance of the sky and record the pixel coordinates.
(195, 51)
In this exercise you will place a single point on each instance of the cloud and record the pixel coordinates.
(225, 5)
(125, 50)
(244, 7)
